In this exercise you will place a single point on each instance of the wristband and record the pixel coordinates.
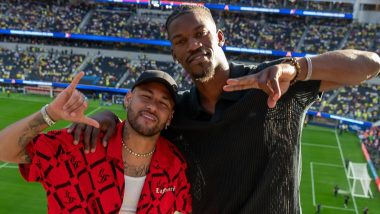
(309, 68)
(46, 117)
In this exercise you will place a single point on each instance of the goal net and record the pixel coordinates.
(43, 90)
(361, 181)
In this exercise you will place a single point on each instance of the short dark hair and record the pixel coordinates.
(185, 9)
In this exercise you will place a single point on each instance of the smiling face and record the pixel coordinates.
(196, 44)
(150, 108)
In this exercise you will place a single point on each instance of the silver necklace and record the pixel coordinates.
(135, 153)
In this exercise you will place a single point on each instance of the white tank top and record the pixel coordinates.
(132, 192)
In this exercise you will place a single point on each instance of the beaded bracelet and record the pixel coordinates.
(293, 61)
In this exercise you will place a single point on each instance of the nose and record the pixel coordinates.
(151, 106)
(194, 44)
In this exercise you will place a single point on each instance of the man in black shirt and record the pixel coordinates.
(239, 126)
(346, 198)
(336, 190)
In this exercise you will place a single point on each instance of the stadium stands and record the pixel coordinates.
(106, 71)
(359, 102)
(17, 64)
(26, 15)
(265, 31)
(108, 23)
(371, 139)
(306, 5)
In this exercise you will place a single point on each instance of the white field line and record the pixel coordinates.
(313, 186)
(319, 145)
(345, 170)
(312, 182)
(3, 165)
(338, 208)
(327, 164)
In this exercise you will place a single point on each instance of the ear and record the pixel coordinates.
(170, 118)
(127, 99)
(221, 38)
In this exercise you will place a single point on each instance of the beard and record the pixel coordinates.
(143, 129)
(206, 73)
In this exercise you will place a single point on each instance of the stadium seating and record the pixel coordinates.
(371, 139)
(264, 31)
(17, 64)
(274, 32)
(106, 71)
(359, 102)
(27, 15)
(107, 23)
(306, 5)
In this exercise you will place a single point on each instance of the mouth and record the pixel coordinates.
(200, 56)
(149, 116)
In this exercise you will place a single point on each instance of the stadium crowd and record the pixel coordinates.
(274, 32)
(28, 15)
(371, 139)
(34, 63)
(335, 6)
(360, 102)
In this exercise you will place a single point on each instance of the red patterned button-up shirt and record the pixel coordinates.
(76, 182)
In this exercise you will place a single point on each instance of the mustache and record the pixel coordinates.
(147, 111)
(197, 53)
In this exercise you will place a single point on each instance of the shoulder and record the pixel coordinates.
(242, 69)
(169, 153)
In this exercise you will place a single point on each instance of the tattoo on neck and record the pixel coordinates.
(30, 132)
(135, 171)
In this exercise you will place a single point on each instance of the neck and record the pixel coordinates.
(211, 90)
(136, 142)
(134, 165)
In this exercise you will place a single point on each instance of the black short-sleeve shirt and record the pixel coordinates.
(245, 157)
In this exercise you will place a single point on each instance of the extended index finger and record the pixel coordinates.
(75, 82)
(241, 83)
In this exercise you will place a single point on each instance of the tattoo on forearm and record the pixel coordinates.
(31, 131)
(135, 171)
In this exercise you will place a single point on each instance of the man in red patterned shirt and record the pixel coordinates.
(139, 171)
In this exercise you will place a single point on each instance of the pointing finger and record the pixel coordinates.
(241, 83)
(75, 82)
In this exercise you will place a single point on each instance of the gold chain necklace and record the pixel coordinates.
(135, 153)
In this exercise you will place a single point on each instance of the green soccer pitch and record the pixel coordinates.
(323, 159)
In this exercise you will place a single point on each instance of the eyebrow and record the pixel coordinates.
(195, 29)
(165, 97)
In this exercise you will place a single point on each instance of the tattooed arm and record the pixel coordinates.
(14, 138)
(68, 105)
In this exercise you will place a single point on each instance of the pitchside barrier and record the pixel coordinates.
(116, 95)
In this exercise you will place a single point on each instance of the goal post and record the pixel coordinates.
(361, 181)
(42, 90)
